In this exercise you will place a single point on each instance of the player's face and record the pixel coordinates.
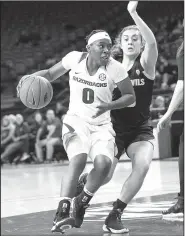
(100, 51)
(131, 42)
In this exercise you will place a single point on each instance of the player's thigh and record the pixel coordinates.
(103, 148)
(76, 137)
(140, 153)
(103, 142)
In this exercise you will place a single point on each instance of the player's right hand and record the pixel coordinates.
(164, 122)
(132, 5)
(20, 84)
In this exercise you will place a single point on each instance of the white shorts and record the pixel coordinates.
(81, 137)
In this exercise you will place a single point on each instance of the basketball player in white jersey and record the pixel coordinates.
(87, 127)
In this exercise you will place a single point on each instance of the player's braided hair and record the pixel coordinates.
(116, 51)
(94, 32)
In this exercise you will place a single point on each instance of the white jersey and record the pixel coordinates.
(87, 91)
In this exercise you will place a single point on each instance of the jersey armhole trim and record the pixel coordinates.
(148, 76)
(144, 72)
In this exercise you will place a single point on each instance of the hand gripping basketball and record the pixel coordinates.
(35, 91)
(20, 84)
(132, 5)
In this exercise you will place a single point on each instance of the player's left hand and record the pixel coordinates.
(163, 122)
(101, 108)
(20, 84)
(132, 5)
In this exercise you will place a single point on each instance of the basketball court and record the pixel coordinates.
(30, 195)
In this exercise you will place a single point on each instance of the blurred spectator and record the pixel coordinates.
(7, 132)
(35, 125)
(12, 118)
(51, 61)
(158, 107)
(27, 37)
(60, 110)
(23, 38)
(159, 102)
(20, 142)
(35, 37)
(53, 130)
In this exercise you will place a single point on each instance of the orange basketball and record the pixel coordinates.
(36, 92)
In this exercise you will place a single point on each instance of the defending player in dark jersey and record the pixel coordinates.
(136, 48)
(177, 99)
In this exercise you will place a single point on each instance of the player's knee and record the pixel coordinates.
(103, 164)
(146, 167)
(143, 168)
(108, 178)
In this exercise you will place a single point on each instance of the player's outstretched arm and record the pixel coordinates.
(176, 101)
(59, 69)
(150, 52)
(52, 73)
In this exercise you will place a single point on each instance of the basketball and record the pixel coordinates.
(36, 92)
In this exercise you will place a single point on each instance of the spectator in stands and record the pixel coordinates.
(60, 110)
(20, 141)
(51, 61)
(7, 131)
(158, 107)
(26, 37)
(12, 118)
(35, 37)
(35, 125)
(53, 130)
(159, 102)
(23, 38)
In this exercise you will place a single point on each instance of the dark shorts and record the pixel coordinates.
(144, 132)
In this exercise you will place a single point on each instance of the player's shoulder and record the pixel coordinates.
(71, 59)
(116, 71)
(74, 54)
(115, 66)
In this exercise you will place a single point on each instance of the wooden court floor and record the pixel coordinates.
(30, 195)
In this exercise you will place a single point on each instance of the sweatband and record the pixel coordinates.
(98, 36)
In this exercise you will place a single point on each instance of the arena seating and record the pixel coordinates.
(50, 33)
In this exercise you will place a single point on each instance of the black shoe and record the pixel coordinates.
(176, 209)
(113, 223)
(81, 183)
(62, 220)
(78, 211)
